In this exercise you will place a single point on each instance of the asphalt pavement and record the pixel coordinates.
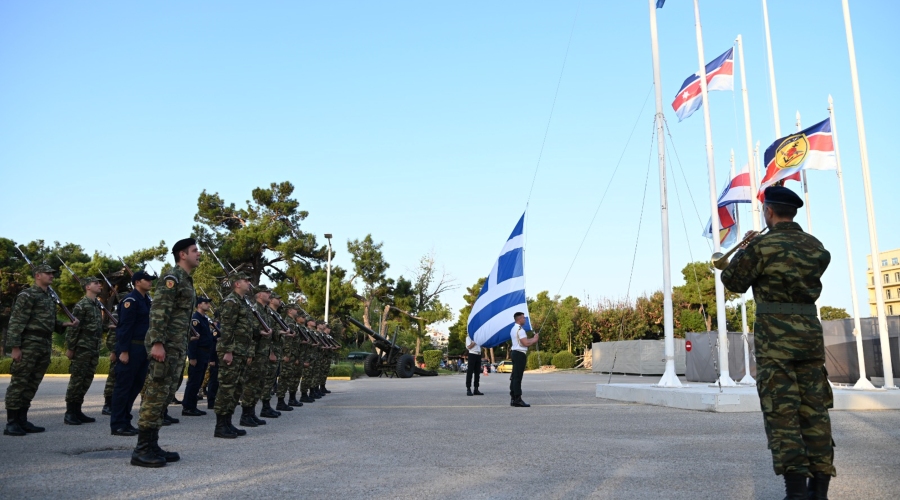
(424, 438)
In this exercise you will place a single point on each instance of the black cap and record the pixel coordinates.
(201, 300)
(182, 245)
(143, 275)
(782, 196)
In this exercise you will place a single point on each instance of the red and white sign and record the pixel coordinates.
(687, 345)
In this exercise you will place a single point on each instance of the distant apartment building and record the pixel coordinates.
(890, 280)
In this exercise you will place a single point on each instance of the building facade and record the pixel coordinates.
(890, 280)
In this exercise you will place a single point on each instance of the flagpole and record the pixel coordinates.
(771, 69)
(745, 328)
(669, 378)
(724, 375)
(758, 220)
(754, 202)
(863, 382)
(809, 228)
(870, 206)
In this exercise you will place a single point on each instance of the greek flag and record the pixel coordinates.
(503, 294)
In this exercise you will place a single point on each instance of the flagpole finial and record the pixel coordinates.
(830, 101)
(798, 116)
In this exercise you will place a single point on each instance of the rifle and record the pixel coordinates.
(130, 272)
(259, 317)
(211, 323)
(50, 289)
(102, 307)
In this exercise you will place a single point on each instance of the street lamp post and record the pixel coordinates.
(328, 277)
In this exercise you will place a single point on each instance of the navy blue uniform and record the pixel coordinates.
(212, 387)
(134, 321)
(198, 350)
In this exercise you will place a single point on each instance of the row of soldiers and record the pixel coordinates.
(258, 344)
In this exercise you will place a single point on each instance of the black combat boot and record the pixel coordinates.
(222, 428)
(26, 425)
(304, 397)
(12, 424)
(292, 401)
(82, 417)
(107, 406)
(267, 410)
(469, 392)
(167, 420)
(246, 419)
(143, 455)
(314, 393)
(256, 419)
(518, 403)
(477, 392)
(795, 487)
(817, 487)
(324, 390)
(237, 432)
(282, 406)
(71, 418)
(168, 456)
(192, 412)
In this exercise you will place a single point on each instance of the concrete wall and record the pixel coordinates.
(640, 357)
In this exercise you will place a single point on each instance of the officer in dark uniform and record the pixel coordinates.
(212, 385)
(131, 368)
(198, 352)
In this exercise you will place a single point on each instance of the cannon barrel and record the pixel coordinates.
(378, 338)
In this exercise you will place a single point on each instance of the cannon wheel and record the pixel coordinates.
(371, 365)
(406, 366)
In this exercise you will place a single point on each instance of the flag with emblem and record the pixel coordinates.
(502, 295)
(809, 149)
(719, 76)
(736, 191)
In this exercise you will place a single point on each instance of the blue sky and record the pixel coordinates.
(422, 123)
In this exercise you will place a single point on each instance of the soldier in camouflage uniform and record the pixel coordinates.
(274, 364)
(83, 351)
(29, 336)
(324, 360)
(784, 268)
(166, 342)
(309, 395)
(110, 343)
(255, 374)
(290, 365)
(233, 348)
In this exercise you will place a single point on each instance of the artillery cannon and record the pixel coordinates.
(391, 358)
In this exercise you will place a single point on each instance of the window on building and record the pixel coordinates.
(887, 278)
(891, 310)
(887, 294)
(895, 261)
(897, 277)
(873, 280)
(884, 263)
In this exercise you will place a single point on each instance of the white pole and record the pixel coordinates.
(809, 228)
(870, 206)
(724, 375)
(771, 70)
(756, 161)
(745, 328)
(863, 382)
(669, 378)
(754, 202)
(328, 281)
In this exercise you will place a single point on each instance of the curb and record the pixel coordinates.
(338, 378)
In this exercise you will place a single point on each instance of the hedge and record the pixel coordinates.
(345, 370)
(59, 365)
(532, 363)
(433, 359)
(564, 360)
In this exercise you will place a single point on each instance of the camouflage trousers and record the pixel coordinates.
(306, 375)
(178, 383)
(270, 378)
(110, 379)
(289, 378)
(253, 380)
(157, 392)
(27, 373)
(81, 373)
(795, 397)
(230, 377)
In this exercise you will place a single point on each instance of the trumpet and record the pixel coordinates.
(720, 260)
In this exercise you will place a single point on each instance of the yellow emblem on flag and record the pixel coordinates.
(792, 151)
(170, 283)
(126, 304)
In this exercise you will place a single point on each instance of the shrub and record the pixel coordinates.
(433, 359)
(533, 362)
(344, 370)
(59, 365)
(564, 360)
(5, 364)
(103, 365)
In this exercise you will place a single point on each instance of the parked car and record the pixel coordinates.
(504, 367)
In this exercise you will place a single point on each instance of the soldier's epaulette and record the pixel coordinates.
(231, 299)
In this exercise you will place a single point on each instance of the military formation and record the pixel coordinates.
(255, 347)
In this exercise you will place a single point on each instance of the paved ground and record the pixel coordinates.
(423, 438)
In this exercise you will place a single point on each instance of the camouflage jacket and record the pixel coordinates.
(238, 327)
(784, 266)
(170, 314)
(90, 326)
(34, 311)
(292, 344)
(277, 338)
(264, 343)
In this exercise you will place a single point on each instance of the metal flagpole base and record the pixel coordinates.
(669, 379)
(863, 384)
(724, 381)
(747, 380)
